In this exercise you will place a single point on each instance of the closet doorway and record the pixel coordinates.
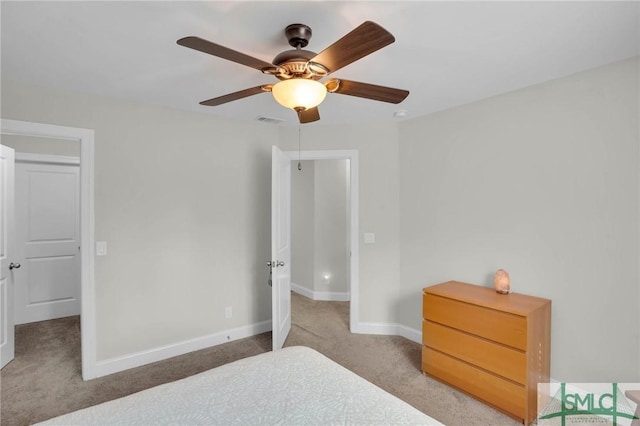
(40, 133)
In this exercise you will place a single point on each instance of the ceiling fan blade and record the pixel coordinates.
(369, 91)
(234, 96)
(365, 39)
(309, 115)
(205, 46)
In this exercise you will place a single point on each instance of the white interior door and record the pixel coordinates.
(47, 240)
(7, 269)
(280, 246)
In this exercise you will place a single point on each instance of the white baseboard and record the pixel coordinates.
(410, 333)
(332, 296)
(114, 365)
(125, 362)
(387, 329)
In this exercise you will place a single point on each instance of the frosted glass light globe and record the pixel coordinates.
(299, 93)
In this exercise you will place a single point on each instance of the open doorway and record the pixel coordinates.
(47, 224)
(320, 246)
(281, 241)
(321, 237)
(52, 134)
(320, 229)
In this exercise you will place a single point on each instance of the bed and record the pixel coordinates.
(292, 386)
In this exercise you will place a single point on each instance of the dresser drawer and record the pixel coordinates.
(502, 360)
(502, 327)
(492, 389)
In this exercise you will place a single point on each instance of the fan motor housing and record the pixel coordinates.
(298, 35)
(294, 55)
(295, 63)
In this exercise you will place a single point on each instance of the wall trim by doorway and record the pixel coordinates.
(22, 157)
(354, 274)
(87, 224)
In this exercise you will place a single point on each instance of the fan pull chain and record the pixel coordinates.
(299, 163)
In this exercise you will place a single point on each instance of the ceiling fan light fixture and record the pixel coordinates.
(299, 93)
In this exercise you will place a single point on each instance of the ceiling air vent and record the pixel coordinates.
(269, 120)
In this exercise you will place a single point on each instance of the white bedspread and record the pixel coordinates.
(293, 386)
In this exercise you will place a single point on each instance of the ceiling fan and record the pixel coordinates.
(299, 71)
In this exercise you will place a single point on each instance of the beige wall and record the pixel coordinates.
(303, 224)
(331, 228)
(183, 201)
(180, 198)
(543, 182)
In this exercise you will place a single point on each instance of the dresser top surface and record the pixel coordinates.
(518, 304)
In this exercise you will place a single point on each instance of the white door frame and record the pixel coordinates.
(354, 278)
(87, 225)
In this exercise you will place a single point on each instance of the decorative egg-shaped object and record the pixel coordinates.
(501, 281)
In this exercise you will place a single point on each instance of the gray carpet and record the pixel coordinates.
(44, 381)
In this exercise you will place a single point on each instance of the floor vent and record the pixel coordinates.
(269, 120)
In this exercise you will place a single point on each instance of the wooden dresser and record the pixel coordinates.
(492, 346)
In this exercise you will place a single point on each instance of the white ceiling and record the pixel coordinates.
(445, 54)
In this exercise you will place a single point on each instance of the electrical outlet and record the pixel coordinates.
(228, 312)
(326, 278)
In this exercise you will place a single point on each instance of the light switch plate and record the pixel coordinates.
(101, 248)
(369, 238)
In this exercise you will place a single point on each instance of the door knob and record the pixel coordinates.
(14, 266)
(279, 263)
